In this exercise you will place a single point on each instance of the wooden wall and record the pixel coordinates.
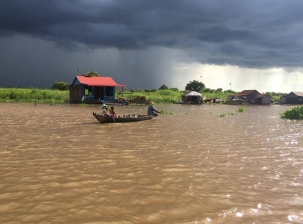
(75, 94)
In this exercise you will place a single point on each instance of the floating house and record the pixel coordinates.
(249, 96)
(191, 98)
(263, 99)
(292, 98)
(93, 89)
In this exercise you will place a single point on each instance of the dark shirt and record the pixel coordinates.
(151, 110)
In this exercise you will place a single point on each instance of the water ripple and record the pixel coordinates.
(59, 165)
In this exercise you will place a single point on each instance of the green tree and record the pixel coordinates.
(60, 86)
(207, 90)
(194, 86)
(92, 73)
(163, 87)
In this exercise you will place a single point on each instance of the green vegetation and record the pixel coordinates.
(54, 95)
(170, 95)
(157, 96)
(60, 86)
(33, 95)
(194, 86)
(163, 87)
(166, 112)
(46, 95)
(241, 109)
(218, 94)
(275, 97)
(295, 113)
(223, 115)
(92, 73)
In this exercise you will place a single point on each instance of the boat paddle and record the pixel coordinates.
(114, 119)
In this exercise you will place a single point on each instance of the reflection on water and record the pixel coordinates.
(59, 165)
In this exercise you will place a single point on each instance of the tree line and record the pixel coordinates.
(191, 86)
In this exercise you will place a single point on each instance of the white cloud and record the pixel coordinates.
(263, 80)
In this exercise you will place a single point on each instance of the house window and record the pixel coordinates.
(109, 91)
(300, 99)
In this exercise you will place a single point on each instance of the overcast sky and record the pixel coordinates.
(144, 44)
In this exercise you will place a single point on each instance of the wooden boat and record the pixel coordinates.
(121, 119)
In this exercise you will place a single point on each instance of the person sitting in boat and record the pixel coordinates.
(113, 112)
(104, 111)
(151, 110)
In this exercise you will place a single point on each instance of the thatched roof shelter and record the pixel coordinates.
(192, 97)
(192, 93)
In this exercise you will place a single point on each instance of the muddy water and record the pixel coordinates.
(59, 165)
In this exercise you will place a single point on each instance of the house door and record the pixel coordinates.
(99, 93)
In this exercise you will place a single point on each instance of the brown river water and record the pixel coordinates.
(60, 165)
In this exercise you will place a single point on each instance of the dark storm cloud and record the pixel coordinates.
(259, 33)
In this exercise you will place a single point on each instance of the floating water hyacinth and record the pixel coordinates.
(295, 113)
(241, 109)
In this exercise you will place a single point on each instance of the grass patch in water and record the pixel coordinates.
(241, 109)
(223, 115)
(295, 113)
(166, 112)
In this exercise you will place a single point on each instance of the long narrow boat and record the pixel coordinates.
(121, 119)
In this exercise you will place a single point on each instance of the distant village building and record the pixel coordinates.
(92, 89)
(263, 99)
(191, 97)
(292, 98)
(249, 96)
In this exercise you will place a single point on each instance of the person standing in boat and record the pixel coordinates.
(151, 110)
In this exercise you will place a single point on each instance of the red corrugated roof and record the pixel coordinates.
(97, 81)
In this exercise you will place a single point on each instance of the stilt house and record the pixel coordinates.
(292, 98)
(263, 99)
(192, 98)
(249, 96)
(92, 89)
